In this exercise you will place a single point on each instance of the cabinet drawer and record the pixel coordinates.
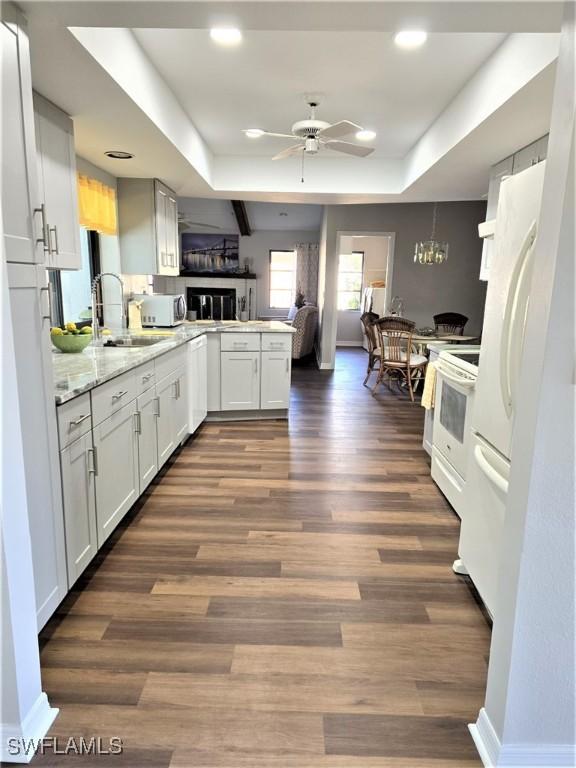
(169, 361)
(110, 397)
(240, 342)
(145, 377)
(74, 419)
(277, 342)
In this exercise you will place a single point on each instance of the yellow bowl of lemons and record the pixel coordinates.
(70, 339)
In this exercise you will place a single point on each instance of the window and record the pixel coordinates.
(282, 279)
(71, 290)
(350, 269)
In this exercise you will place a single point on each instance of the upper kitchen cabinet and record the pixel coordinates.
(148, 227)
(58, 185)
(23, 229)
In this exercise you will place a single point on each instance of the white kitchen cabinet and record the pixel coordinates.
(180, 406)
(31, 322)
(148, 227)
(116, 468)
(78, 494)
(21, 211)
(275, 380)
(240, 381)
(198, 382)
(58, 184)
(530, 155)
(497, 173)
(165, 420)
(147, 438)
(213, 377)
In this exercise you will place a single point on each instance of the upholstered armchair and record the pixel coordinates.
(306, 323)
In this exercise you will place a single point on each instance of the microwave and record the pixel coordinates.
(162, 310)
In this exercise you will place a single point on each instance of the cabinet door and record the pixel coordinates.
(240, 381)
(57, 170)
(180, 406)
(197, 383)
(173, 253)
(275, 380)
(147, 438)
(19, 183)
(165, 396)
(161, 231)
(116, 457)
(497, 174)
(213, 372)
(77, 466)
(31, 324)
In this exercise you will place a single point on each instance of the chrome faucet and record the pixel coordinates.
(96, 335)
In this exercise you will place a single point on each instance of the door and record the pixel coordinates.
(197, 383)
(21, 215)
(180, 406)
(78, 493)
(452, 415)
(506, 306)
(240, 381)
(275, 380)
(116, 469)
(31, 322)
(165, 395)
(57, 174)
(147, 438)
(481, 532)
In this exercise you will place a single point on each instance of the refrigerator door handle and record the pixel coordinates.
(492, 474)
(520, 274)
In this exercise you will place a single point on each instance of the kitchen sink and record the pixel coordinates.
(135, 341)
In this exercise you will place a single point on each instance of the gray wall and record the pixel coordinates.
(453, 286)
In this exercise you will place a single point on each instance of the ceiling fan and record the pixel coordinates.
(314, 135)
(185, 223)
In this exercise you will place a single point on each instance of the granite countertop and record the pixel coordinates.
(78, 373)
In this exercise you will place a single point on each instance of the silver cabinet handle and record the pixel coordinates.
(255, 365)
(178, 390)
(55, 230)
(157, 406)
(137, 422)
(79, 420)
(92, 462)
(240, 343)
(45, 239)
(119, 395)
(49, 315)
(147, 377)
(287, 365)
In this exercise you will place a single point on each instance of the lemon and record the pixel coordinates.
(106, 332)
(70, 326)
(56, 331)
(86, 329)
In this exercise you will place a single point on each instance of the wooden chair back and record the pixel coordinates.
(450, 322)
(368, 319)
(395, 334)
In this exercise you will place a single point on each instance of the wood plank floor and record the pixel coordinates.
(281, 598)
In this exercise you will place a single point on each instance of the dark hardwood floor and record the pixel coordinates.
(282, 597)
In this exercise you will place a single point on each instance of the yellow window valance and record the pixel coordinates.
(97, 205)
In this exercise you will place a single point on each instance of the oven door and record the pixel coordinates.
(452, 415)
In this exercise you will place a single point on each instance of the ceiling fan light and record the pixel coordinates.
(410, 38)
(226, 35)
(254, 133)
(365, 135)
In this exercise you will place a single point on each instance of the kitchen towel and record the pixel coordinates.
(429, 392)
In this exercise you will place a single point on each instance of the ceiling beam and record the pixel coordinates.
(239, 208)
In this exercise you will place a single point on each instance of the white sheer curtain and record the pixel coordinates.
(307, 261)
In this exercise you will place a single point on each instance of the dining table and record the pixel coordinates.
(420, 341)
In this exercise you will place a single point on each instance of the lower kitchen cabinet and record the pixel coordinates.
(78, 494)
(240, 381)
(275, 380)
(117, 480)
(180, 407)
(165, 396)
(198, 382)
(147, 437)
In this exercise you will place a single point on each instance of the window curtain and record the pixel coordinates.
(97, 205)
(307, 261)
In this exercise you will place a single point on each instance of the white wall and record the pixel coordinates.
(453, 286)
(376, 254)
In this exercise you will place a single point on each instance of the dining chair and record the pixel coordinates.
(450, 322)
(368, 319)
(397, 358)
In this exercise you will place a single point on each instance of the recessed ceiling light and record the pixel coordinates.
(410, 38)
(118, 154)
(365, 135)
(226, 35)
(254, 133)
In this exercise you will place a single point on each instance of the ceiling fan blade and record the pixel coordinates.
(336, 130)
(280, 135)
(185, 223)
(294, 150)
(348, 148)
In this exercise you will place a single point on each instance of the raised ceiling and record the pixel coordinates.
(361, 76)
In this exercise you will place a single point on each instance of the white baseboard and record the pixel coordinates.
(348, 343)
(495, 755)
(34, 726)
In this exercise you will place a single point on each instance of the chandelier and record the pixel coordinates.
(431, 251)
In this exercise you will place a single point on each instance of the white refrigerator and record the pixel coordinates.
(507, 304)
(373, 300)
